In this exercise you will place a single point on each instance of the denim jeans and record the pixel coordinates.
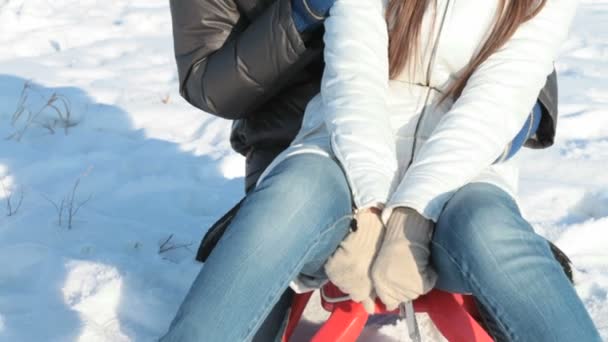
(289, 224)
(483, 246)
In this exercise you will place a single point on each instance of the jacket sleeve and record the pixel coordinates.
(491, 110)
(227, 70)
(548, 98)
(354, 91)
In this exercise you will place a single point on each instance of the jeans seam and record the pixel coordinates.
(256, 321)
(475, 284)
(537, 239)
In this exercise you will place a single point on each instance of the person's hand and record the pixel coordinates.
(308, 14)
(402, 272)
(349, 267)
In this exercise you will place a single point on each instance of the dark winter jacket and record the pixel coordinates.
(244, 60)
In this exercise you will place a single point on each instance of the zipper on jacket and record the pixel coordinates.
(428, 82)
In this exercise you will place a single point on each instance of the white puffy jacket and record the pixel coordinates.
(398, 145)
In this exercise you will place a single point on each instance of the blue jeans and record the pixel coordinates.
(289, 224)
(298, 215)
(483, 246)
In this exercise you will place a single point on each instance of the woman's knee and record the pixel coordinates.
(309, 179)
(320, 206)
(481, 227)
(298, 201)
(480, 232)
(478, 212)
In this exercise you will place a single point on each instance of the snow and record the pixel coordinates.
(147, 173)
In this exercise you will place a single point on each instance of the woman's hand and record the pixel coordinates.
(350, 265)
(402, 272)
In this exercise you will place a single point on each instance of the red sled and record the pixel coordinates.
(454, 315)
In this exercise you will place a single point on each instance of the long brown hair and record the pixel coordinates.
(405, 20)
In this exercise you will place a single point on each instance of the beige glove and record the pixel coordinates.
(402, 271)
(349, 267)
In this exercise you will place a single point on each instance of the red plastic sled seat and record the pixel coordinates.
(453, 314)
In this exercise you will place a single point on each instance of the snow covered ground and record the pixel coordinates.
(96, 128)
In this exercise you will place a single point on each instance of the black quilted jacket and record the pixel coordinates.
(244, 60)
